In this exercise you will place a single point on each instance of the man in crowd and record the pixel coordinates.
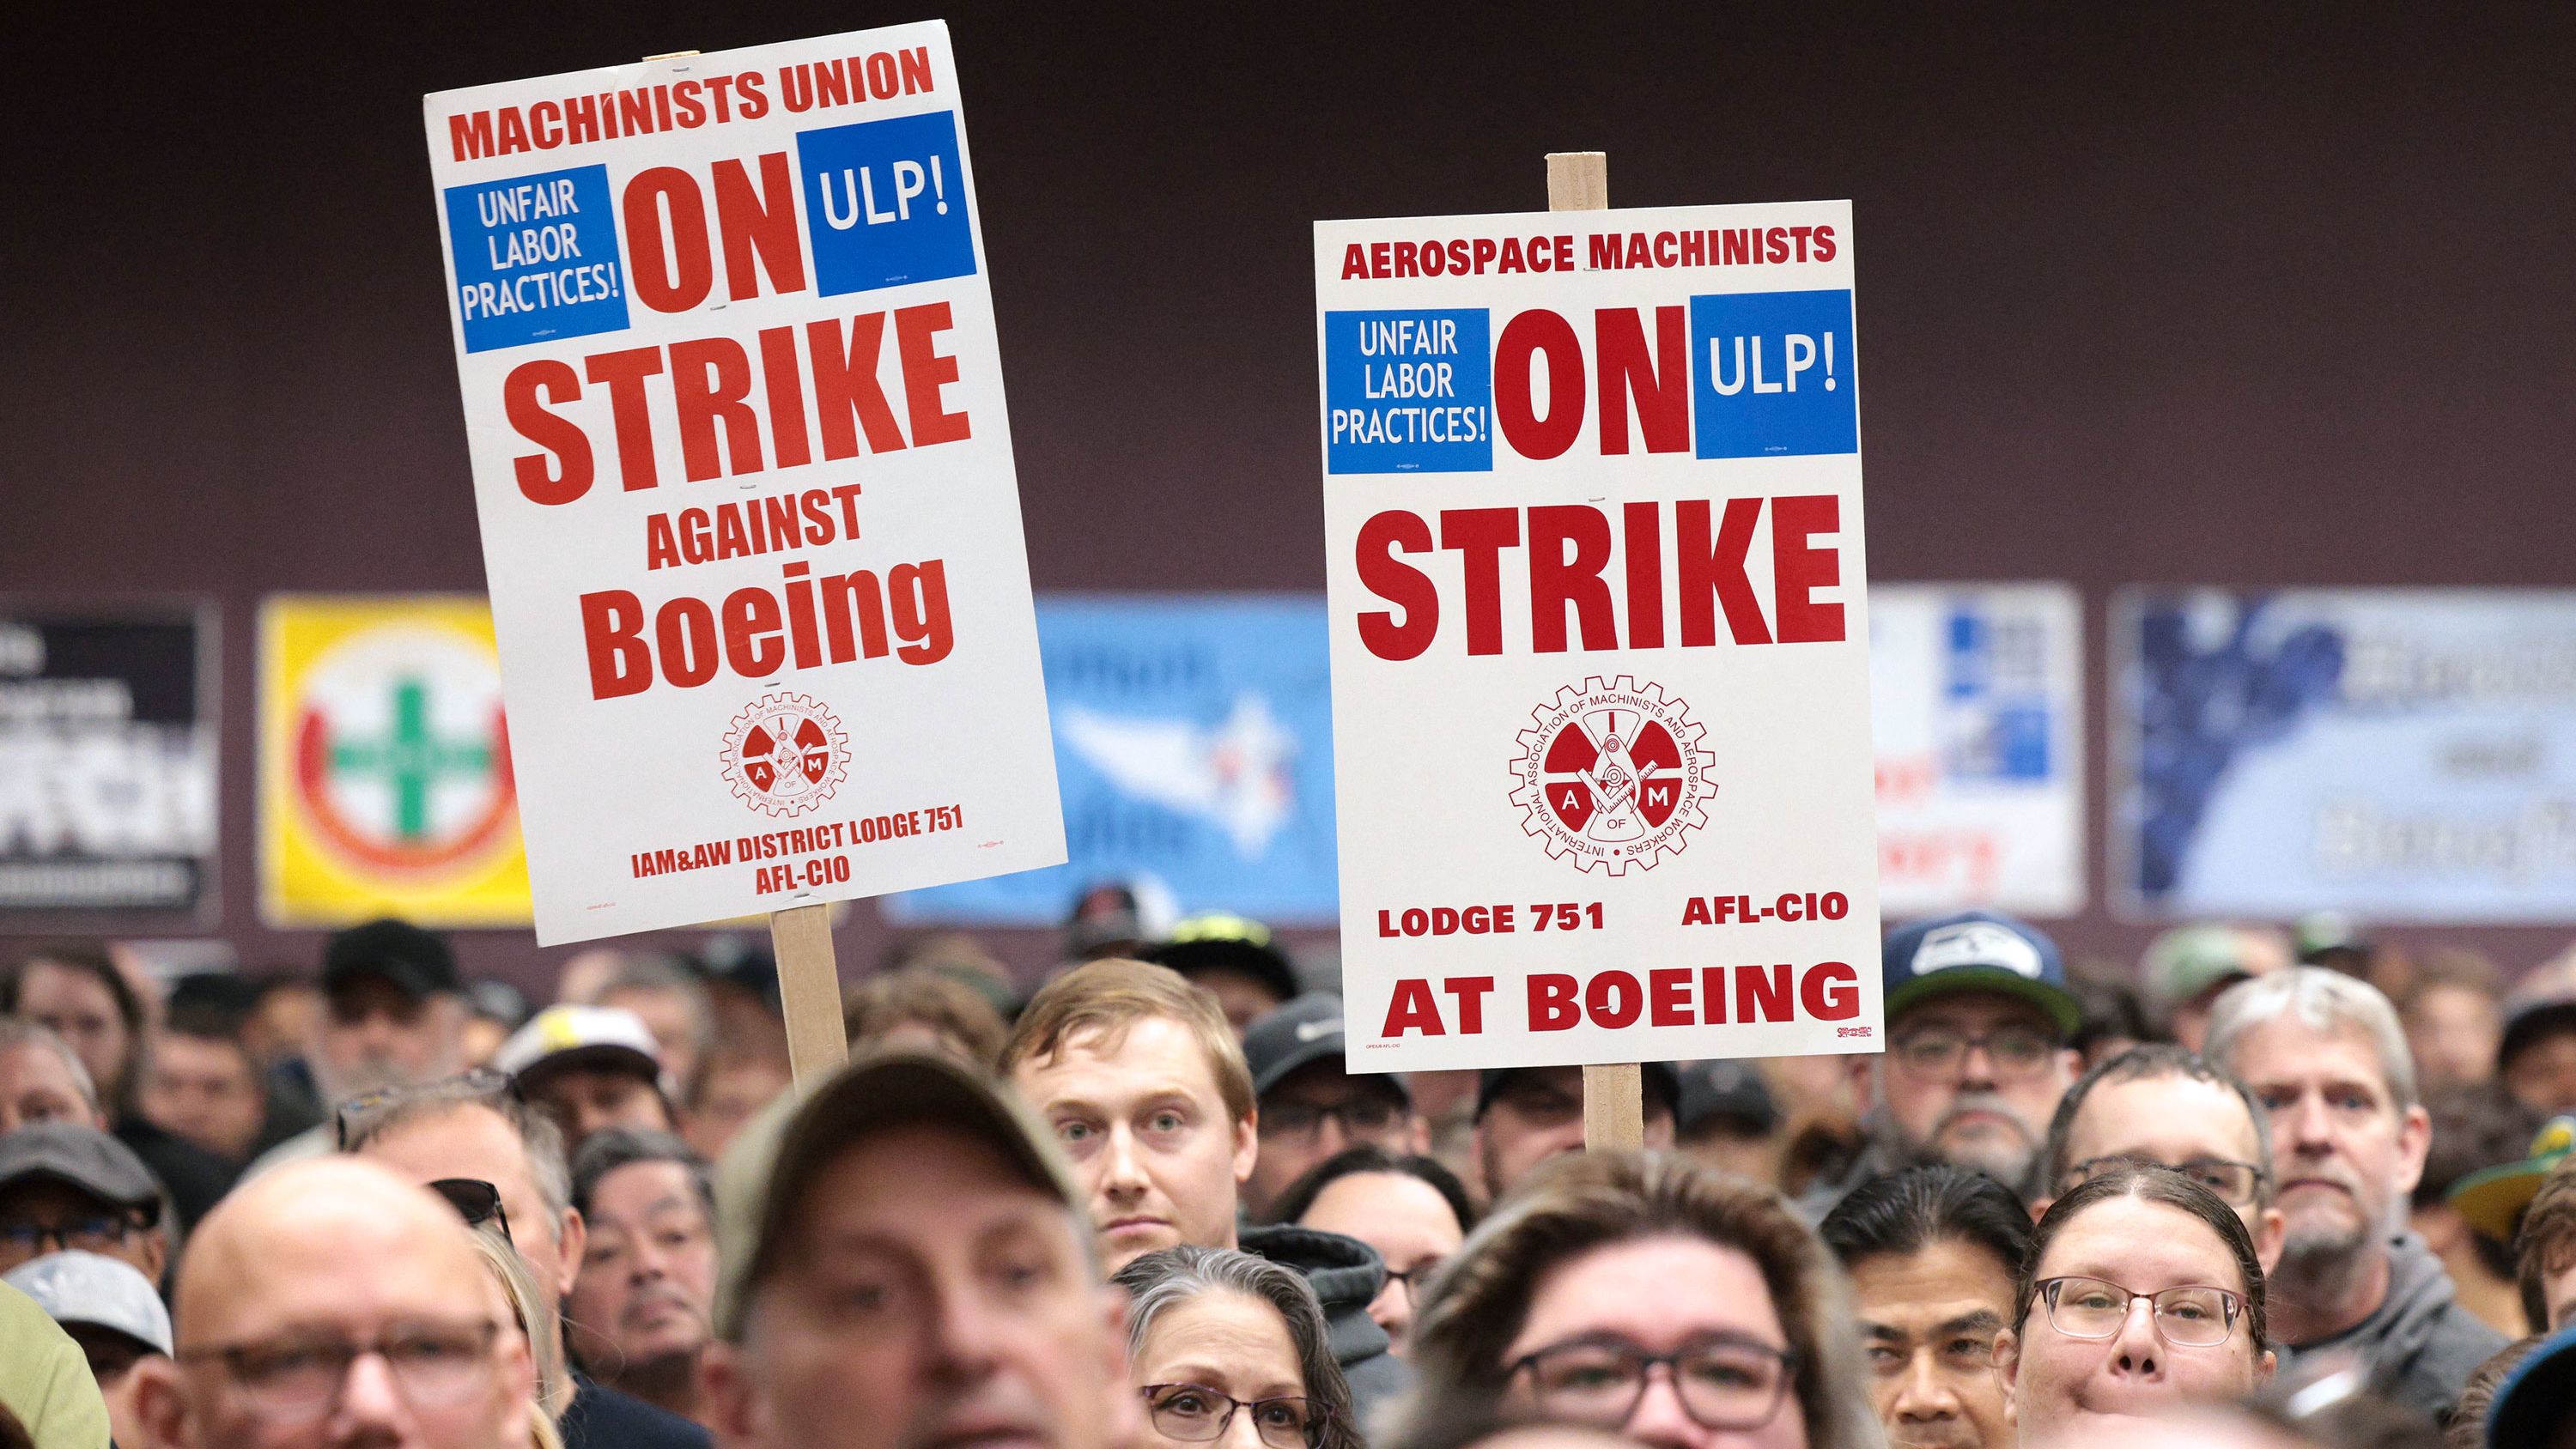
(2536, 1053)
(643, 1296)
(2545, 1251)
(1526, 1115)
(1311, 1108)
(667, 993)
(734, 1080)
(393, 1016)
(473, 1128)
(41, 1080)
(201, 1083)
(1978, 1020)
(2325, 1057)
(860, 1308)
(2161, 1104)
(1144, 1086)
(1234, 960)
(292, 1293)
(63, 1185)
(1932, 1252)
(2488, 1159)
(114, 1314)
(1728, 1119)
(589, 1067)
(2454, 1015)
(2189, 967)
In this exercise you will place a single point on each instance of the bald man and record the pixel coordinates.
(331, 1305)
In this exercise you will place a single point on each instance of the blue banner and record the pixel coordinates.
(1193, 745)
(2398, 754)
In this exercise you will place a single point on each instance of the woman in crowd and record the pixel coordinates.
(517, 1289)
(1657, 1298)
(1226, 1347)
(2140, 1294)
(1412, 1210)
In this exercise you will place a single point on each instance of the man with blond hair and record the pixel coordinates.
(1140, 1078)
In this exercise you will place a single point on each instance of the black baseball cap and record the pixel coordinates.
(416, 961)
(1220, 942)
(1660, 1081)
(1729, 1091)
(83, 1159)
(1306, 1030)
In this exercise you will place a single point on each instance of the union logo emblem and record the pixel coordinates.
(1611, 775)
(785, 754)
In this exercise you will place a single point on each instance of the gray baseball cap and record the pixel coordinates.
(1306, 1030)
(85, 1288)
(79, 1157)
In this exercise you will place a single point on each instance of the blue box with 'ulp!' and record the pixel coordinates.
(885, 203)
(1773, 374)
(1409, 391)
(536, 258)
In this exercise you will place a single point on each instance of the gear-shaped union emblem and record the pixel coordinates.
(1611, 775)
(785, 754)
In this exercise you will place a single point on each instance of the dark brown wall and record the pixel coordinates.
(2233, 294)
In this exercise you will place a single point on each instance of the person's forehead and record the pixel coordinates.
(639, 1188)
(588, 1080)
(1932, 1284)
(1655, 1290)
(1220, 1329)
(465, 1140)
(2122, 1116)
(333, 1270)
(202, 1053)
(2145, 1246)
(919, 1187)
(1393, 1204)
(57, 987)
(2287, 1051)
(1149, 1056)
(1971, 1009)
(32, 1064)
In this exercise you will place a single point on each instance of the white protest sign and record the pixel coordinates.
(1977, 694)
(734, 403)
(1592, 501)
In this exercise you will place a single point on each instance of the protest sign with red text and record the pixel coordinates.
(750, 521)
(1592, 500)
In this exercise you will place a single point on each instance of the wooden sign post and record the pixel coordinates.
(809, 991)
(1614, 1100)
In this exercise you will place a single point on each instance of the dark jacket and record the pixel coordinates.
(1345, 1274)
(2420, 1344)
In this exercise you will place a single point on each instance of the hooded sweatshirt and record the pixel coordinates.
(2420, 1344)
(1345, 1274)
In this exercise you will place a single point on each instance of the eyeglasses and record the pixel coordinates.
(359, 1115)
(2237, 1184)
(1935, 1051)
(1724, 1380)
(1417, 1277)
(476, 1201)
(1366, 1119)
(1197, 1413)
(2191, 1316)
(89, 1235)
(299, 1377)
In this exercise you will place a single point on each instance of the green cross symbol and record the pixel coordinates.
(413, 758)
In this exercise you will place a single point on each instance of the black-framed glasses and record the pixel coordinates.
(1365, 1118)
(1940, 1051)
(356, 1117)
(2193, 1315)
(476, 1201)
(299, 1376)
(2237, 1184)
(1198, 1414)
(102, 1234)
(1724, 1380)
(1417, 1277)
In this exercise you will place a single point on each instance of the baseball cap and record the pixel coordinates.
(1220, 942)
(98, 1292)
(1306, 1030)
(2493, 1198)
(1977, 951)
(81, 1158)
(1661, 1082)
(412, 959)
(605, 1038)
(2537, 1397)
(1725, 1090)
(2187, 961)
(762, 1182)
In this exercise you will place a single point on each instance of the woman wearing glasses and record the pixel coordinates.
(1228, 1349)
(1658, 1299)
(2140, 1293)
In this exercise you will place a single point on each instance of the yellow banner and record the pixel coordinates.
(385, 785)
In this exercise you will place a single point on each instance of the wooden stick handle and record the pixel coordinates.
(809, 988)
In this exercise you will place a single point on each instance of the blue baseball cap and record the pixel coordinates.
(1977, 951)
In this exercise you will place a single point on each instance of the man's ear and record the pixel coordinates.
(2039, 1207)
(2272, 1229)
(156, 1252)
(2414, 1139)
(575, 1238)
(1247, 1146)
(161, 1402)
(2008, 1372)
(1417, 1139)
(726, 1401)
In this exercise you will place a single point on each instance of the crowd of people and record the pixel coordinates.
(2259, 1188)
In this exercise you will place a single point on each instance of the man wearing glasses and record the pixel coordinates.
(2161, 1104)
(331, 1303)
(1311, 1108)
(1978, 1017)
(64, 1186)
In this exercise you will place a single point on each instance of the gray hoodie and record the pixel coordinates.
(1345, 1274)
(2421, 1345)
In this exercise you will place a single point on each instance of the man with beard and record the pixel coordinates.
(393, 1016)
(644, 1294)
(1978, 1017)
(2326, 1058)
